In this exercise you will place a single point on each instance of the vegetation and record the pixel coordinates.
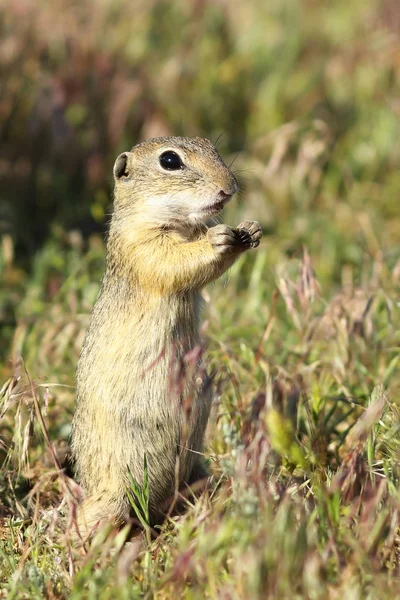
(304, 441)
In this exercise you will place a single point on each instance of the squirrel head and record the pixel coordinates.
(173, 180)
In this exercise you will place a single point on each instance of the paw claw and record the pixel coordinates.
(250, 233)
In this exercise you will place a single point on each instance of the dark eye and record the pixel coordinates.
(171, 161)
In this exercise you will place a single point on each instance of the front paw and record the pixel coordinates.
(250, 233)
(224, 239)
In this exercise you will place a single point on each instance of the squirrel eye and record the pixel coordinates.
(171, 161)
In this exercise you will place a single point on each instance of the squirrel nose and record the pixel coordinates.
(233, 187)
(230, 189)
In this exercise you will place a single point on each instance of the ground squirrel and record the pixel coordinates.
(139, 388)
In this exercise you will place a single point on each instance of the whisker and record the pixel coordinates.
(234, 159)
(218, 138)
(242, 178)
(235, 171)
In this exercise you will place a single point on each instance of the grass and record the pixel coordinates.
(303, 445)
(304, 438)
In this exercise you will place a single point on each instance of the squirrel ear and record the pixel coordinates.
(121, 166)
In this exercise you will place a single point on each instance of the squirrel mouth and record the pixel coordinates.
(219, 203)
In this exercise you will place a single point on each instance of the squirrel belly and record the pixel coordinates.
(137, 394)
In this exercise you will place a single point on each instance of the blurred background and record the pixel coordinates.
(303, 94)
(304, 97)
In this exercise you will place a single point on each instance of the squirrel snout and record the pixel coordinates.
(228, 191)
(224, 197)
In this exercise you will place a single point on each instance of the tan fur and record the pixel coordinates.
(140, 388)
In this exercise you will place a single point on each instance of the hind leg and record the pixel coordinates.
(96, 511)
